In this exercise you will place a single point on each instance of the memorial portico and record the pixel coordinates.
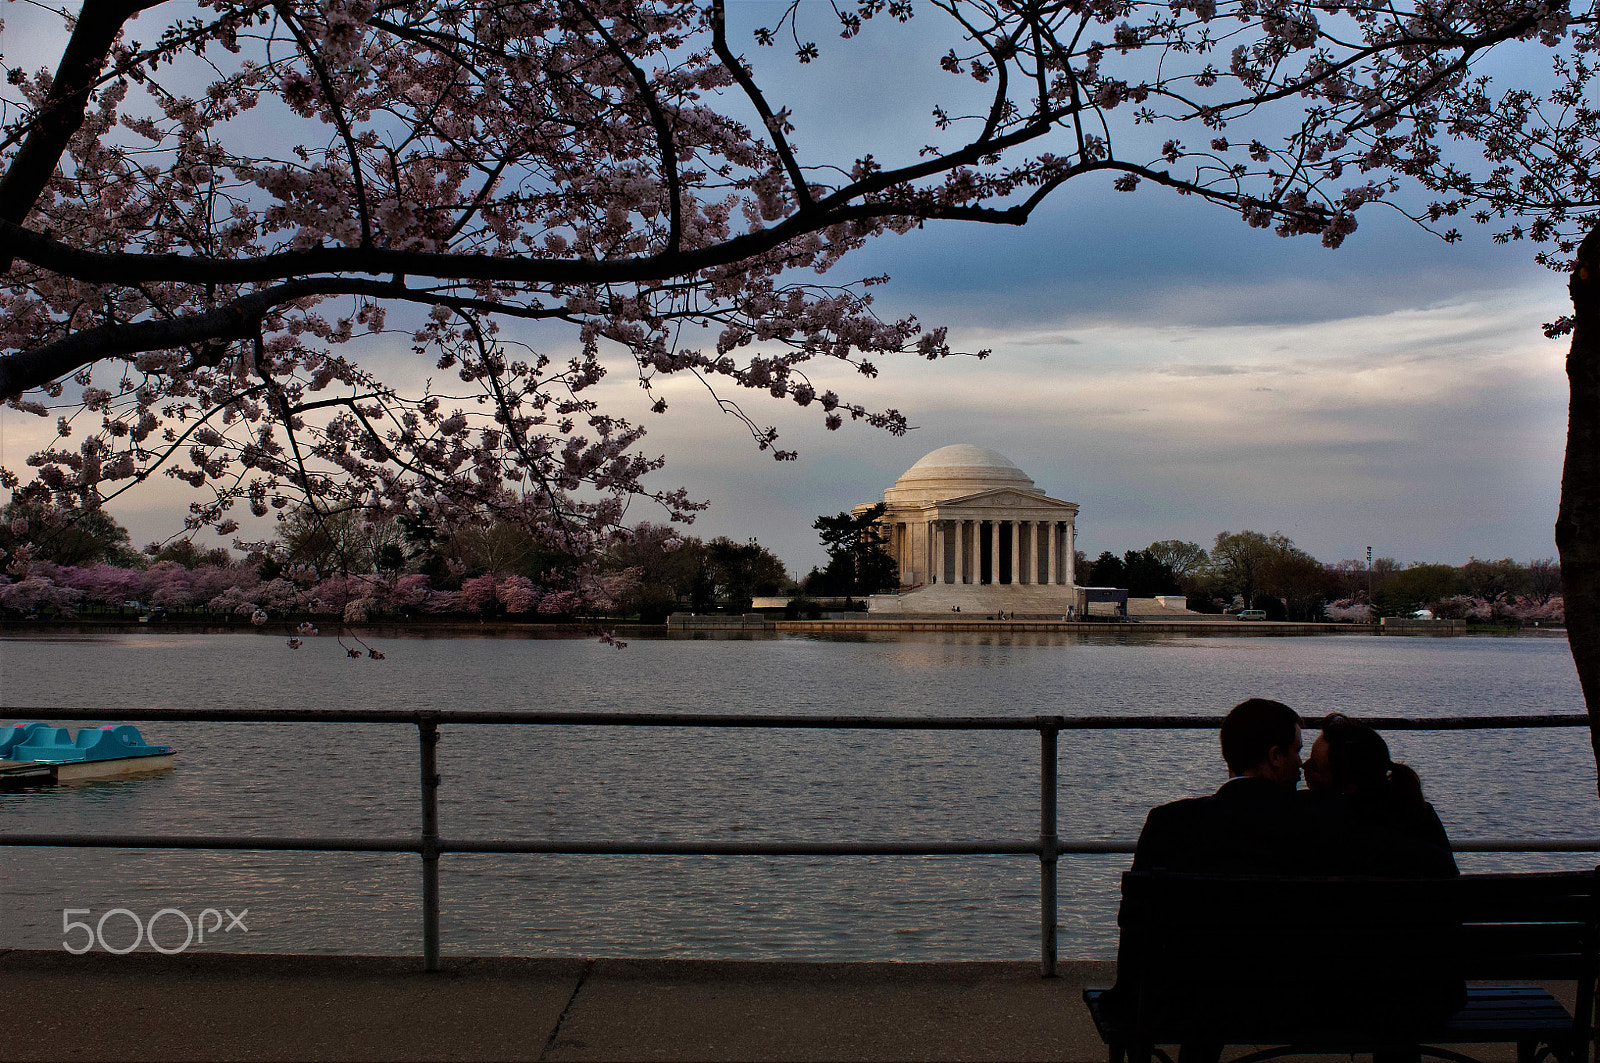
(965, 518)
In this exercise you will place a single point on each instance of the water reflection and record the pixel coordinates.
(648, 783)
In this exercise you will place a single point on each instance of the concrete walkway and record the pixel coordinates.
(213, 1006)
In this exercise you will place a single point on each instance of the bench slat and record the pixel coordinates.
(1495, 1014)
(1192, 943)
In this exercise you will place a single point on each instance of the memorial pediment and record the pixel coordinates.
(1004, 498)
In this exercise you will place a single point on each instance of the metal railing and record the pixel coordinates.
(1047, 847)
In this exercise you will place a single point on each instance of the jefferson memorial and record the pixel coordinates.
(969, 530)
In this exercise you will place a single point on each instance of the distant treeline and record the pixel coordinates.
(1249, 569)
(341, 566)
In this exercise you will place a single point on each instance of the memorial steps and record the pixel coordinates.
(1025, 601)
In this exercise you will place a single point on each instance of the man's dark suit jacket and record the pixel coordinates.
(1255, 826)
(1249, 826)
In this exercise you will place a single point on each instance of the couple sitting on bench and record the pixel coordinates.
(1362, 815)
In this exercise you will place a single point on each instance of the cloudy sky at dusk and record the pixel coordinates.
(1172, 371)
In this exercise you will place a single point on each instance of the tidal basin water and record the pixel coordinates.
(618, 784)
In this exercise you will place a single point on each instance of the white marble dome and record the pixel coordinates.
(957, 470)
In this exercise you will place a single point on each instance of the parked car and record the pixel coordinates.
(1252, 614)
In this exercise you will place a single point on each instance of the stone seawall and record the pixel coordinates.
(868, 622)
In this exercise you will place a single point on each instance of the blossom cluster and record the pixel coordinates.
(238, 590)
(1511, 609)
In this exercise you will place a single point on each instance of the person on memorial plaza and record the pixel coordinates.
(1367, 814)
(1251, 824)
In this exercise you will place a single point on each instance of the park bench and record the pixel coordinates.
(1346, 965)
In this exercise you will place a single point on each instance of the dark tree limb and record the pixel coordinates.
(64, 109)
(1578, 522)
(736, 68)
(213, 329)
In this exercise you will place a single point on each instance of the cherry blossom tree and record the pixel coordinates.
(106, 585)
(216, 220)
(38, 592)
(214, 217)
(1347, 611)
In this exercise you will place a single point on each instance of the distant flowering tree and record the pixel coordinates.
(170, 586)
(1550, 611)
(518, 594)
(618, 590)
(408, 592)
(109, 585)
(234, 600)
(476, 595)
(1347, 611)
(559, 603)
(38, 592)
(278, 595)
(442, 602)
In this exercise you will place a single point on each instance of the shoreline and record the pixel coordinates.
(751, 625)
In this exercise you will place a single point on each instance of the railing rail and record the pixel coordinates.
(1048, 846)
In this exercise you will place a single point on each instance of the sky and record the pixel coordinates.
(1174, 372)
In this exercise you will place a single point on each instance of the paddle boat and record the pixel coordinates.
(33, 752)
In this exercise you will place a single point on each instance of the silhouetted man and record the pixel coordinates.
(1250, 824)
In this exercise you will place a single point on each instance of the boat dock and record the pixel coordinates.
(25, 771)
(207, 1006)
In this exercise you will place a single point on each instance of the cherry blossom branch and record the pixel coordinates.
(771, 121)
(665, 144)
(238, 320)
(160, 457)
(116, 267)
(98, 24)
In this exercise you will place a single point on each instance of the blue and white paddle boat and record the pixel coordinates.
(31, 751)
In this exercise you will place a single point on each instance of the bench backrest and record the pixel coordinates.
(1347, 952)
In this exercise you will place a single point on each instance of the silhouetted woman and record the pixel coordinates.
(1372, 818)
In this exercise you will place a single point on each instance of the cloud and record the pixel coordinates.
(1435, 429)
(1046, 339)
(1203, 370)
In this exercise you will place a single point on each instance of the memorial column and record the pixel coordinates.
(994, 552)
(971, 555)
(1054, 550)
(1072, 555)
(1001, 571)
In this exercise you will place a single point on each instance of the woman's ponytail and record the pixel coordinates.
(1405, 788)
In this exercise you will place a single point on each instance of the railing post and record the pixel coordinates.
(428, 742)
(1049, 728)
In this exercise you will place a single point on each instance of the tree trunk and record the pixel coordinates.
(1578, 521)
